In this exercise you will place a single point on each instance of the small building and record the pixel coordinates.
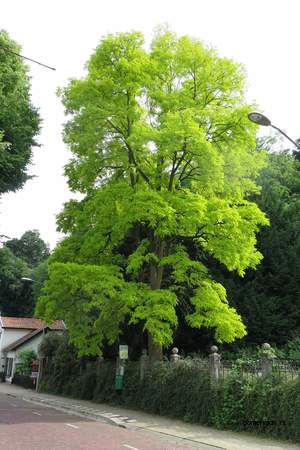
(18, 334)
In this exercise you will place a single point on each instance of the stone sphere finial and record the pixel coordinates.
(266, 346)
(214, 349)
(174, 357)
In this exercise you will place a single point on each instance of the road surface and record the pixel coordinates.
(26, 426)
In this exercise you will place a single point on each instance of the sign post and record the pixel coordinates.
(121, 361)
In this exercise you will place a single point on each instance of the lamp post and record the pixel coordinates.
(260, 119)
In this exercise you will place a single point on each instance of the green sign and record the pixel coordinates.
(119, 382)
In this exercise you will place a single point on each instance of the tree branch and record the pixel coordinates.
(176, 165)
(133, 161)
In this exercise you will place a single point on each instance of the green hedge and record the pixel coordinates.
(183, 390)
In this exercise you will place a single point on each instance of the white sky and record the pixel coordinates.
(264, 35)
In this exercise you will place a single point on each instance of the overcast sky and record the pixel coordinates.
(262, 35)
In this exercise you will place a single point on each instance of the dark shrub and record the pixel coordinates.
(24, 380)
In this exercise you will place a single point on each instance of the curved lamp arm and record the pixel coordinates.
(260, 119)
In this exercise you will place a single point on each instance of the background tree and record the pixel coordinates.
(19, 119)
(166, 159)
(269, 298)
(39, 275)
(21, 258)
(30, 247)
(15, 295)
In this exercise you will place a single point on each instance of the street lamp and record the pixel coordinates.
(30, 280)
(260, 119)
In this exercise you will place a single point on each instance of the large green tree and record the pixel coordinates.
(166, 158)
(19, 119)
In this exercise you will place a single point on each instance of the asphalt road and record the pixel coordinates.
(26, 426)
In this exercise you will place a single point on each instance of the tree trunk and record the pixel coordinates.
(154, 350)
(156, 274)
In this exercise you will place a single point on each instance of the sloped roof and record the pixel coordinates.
(14, 345)
(28, 323)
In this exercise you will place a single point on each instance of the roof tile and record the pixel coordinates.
(27, 323)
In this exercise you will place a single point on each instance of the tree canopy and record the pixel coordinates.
(19, 119)
(30, 247)
(15, 295)
(166, 159)
(269, 298)
(19, 258)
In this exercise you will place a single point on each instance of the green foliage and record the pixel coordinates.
(292, 349)
(39, 275)
(261, 406)
(30, 247)
(25, 359)
(17, 260)
(211, 310)
(59, 360)
(49, 345)
(166, 159)
(19, 119)
(245, 354)
(269, 298)
(15, 295)
(96, 300)
(233, 412)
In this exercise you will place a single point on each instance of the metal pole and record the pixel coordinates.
(285, 135)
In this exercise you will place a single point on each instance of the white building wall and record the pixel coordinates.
(8, 336)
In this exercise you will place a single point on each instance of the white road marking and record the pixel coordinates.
(13, 404)
(36, 413)
(129, 446)
(70, 425)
